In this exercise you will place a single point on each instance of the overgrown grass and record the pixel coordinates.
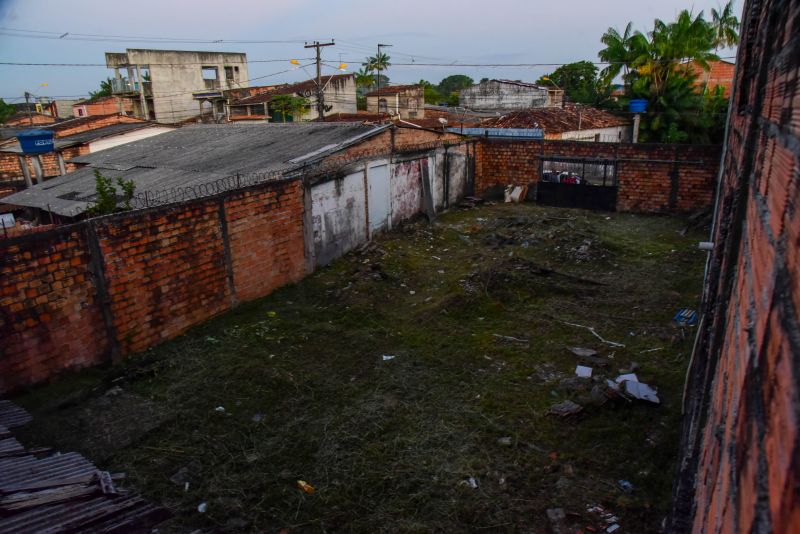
(391, 445)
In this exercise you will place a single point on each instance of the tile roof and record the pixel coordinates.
(558, 120)
(393, 90)
(307, 86)
(194, 156)
(361, 116)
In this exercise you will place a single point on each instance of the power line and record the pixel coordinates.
(21, 64)
(72, 36)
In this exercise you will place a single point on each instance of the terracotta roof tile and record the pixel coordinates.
(393, 90)
(558, 120)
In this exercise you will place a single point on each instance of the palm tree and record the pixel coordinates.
(622, 52)
(377, 63)
(364, 80)
(726, 26)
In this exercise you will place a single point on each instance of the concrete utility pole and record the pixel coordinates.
(320, 92)
(378, 57)
(28, 107)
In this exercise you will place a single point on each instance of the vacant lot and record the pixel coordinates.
(410, 385)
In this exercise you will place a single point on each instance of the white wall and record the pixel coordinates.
(338, 216)
(612, 134)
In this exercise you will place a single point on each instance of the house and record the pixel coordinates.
(508, 95)
(102, 106)
(29, 118)
(171, 86)
(573, 121)
(407, 101)
(61, 108)
(719, 74)
(204, 159)
(74, 137)
(339, 96)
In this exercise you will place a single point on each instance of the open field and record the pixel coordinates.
(451, 431)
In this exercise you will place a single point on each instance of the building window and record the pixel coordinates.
(81, 112)
(383, 106)
(209, 73)
(232, 74)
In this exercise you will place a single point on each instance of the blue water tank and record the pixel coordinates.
(36, 141)
(638, 105)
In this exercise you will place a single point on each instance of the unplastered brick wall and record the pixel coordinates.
(740, 445)
(10, 168)
(651, 178)
(87, 292)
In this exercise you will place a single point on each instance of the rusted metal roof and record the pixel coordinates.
(62, 492)
(570, 118)
(306, 88)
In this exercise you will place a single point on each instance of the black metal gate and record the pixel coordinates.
(578, 183)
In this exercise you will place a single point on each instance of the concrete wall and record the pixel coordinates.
(338, 216)
(409, 104)
(175, 75)
(494, 95)
(604, 135)
(739, 464)
(340, 97)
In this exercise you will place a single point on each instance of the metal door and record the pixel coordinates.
(379, 206)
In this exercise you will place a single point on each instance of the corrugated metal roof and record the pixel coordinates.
(193, 156)
(12, 416)
(64, 493)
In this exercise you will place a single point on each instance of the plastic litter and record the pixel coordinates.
(583, 371)
(202, 507)
(387, 357)
(306, 487)
(685, 317)
(219, 409)
(626, 486)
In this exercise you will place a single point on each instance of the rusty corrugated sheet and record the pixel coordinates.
(30, 482)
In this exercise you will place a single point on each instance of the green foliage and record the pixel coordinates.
(6, 110)
(361, 103)
(290, 105)
(107, 200)
(364, 81)
(105, 90)
(578, 80)
(726, 26)
(656, 67)
(378, 62)
(455, 83)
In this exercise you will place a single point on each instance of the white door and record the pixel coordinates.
(378, 180)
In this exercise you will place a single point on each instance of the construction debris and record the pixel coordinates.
(583, 371)
(595, 334)
(589, 356)
(565, 408)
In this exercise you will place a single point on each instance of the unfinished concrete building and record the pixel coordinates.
(509, 95)
(171, 86)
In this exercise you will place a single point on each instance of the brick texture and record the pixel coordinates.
(644, 172)
(740, 447)
(163, 269)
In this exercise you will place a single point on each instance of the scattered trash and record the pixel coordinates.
(305, 486)
(685, 317)
(470, 202)
(257, 418)
(387, 357)
(588, 355)
(219, 409)
(186, 487)
(626, 486)
(613, 528)
(505, 441)
(565, 409)
(595, 334)
(651, 350)
(583, 371)
(412, 292)
(632, 387)
(202, 507)
(630, 376)
(515, 193)
(511, 339)
(472, 483)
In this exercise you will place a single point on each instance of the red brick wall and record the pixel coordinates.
(740, 447)
(10, 168)
(644, 171)
(164, 270)
(49, 317)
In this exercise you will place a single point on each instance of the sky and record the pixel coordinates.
(420, 31)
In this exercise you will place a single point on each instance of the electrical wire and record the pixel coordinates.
(72, 36)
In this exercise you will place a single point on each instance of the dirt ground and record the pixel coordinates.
(410, 385)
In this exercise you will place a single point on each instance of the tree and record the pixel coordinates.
(377, 63)
(622, 52)
(6, 110)
(105, 90)
(364, 81)
(430, 93)
(726, 26)
(289, 105)
(578, 80)
(455, 83)
(107, 199)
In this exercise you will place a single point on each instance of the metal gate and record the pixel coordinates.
(578, 183)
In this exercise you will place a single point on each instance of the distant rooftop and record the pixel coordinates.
(572, 117)
(392, 90)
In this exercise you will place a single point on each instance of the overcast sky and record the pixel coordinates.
(421, 31)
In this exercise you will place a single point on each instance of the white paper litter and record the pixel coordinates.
(641, 391)
(583, 371)
(629, 376)
(387, 357)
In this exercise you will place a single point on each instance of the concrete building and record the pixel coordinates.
(102, 106)
(339, 96)
(573, 121)
(407, 101)
(508, 95)
(171, 86)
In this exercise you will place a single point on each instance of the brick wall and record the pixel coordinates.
(646, 173)
(157, 272)
(740, 447)
(10, 168)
